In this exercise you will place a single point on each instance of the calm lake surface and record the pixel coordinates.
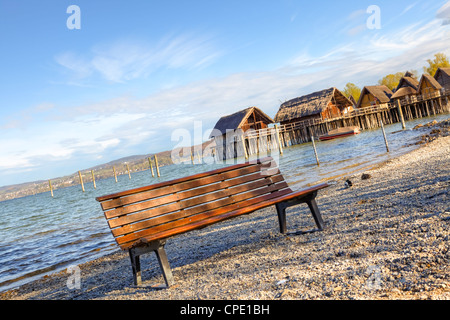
(40, 234)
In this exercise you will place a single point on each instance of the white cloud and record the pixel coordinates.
(444, 13)
(125, 60)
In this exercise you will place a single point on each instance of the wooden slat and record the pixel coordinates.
(185, 185)
(200, 221)
(147, 214)
(184, 195)
(263, 161)
(268, 200)
(280, 184)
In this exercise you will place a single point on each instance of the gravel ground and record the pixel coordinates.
(386, 237)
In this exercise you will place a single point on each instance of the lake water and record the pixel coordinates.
(40, 234)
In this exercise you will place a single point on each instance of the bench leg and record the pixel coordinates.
(165, 267)
(310, 201)
(158, 248)
(312, 204)
(136, 266)
(281, 211)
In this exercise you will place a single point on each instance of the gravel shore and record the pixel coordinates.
(386, 237)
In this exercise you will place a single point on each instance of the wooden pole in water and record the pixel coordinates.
(399, 107)
(192, 157)
(314, 146)
(115, 175)
(199, 157)
(81, 181)
(156, 164)
(151, 166)
(384, 135)
(51, 188)
(244, 147)
(129, 174)
(280, 146)
(93, 179)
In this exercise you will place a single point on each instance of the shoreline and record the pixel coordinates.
(386, 237)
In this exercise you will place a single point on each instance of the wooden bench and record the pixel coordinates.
(142, 219)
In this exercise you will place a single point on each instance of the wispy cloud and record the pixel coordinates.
(444, 13)
(125, 60)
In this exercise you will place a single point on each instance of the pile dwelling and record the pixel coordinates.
(247, 132)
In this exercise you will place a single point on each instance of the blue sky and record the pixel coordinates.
(138, 71)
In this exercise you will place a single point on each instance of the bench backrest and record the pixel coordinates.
(165, 209)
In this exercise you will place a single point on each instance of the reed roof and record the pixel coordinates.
(382, 93)
(311, 104)
(446, 71)
(408, 81)
(404, 91)
(433, 82)
(236, 120)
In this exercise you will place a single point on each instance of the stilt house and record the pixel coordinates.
(250, 118)
(428, 86)
(326, 104)
(374, 95)
(407, 88)
(228, 131)
(442, 76)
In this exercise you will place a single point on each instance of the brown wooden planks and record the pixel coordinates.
(171, 197)
(264, 162)
(238, 194)
(167, 190)
(182, 205)
(179, 226)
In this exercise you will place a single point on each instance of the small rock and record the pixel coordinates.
(365, 176)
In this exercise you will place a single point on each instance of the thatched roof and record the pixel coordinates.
(408, 81)
(382, 93)
(236, 120)
(446, 71)
(403, 91)
(311, 104)
(433, 82)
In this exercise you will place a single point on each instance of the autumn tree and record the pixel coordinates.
(391, 80)
(352, 89)
(440, 61)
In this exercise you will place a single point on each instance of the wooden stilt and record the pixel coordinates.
(93, 179)
(81, 181)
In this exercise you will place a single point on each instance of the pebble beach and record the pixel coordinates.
(386, 237)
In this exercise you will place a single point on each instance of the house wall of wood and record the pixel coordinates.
(426, 88)
(368, 100)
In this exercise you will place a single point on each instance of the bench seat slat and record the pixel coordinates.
(220, 215)
(209, 217)
(133, 227)
(147, 214)
(167, 187)
(217, 185)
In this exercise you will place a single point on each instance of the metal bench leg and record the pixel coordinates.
(310, 200)
(281, 211)
(164, 264)
(136, 266)
(312, 204)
